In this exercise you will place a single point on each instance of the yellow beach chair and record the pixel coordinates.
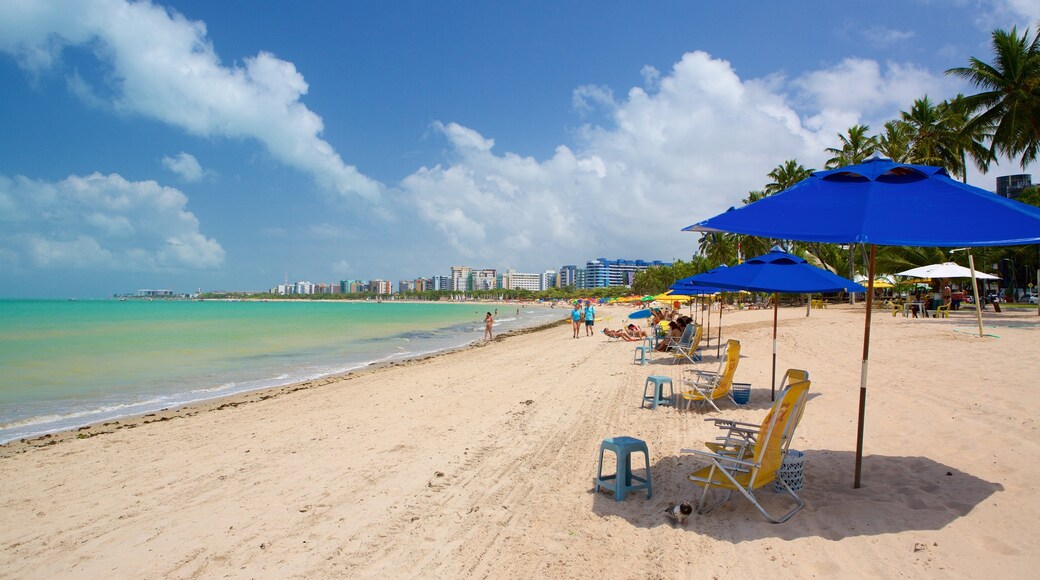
(740, 437)
(708, 387)
(942, 310)
(746, 475)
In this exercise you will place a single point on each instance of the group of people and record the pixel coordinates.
(586, 315)
(675, 329)
(629, 333)
(668, 324)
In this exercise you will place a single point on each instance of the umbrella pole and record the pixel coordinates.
(718, 345)
(706, 321)
(975, 289)
(808, 304)
(863, 369)
(776, 309)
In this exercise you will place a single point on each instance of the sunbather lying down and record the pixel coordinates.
(630, 333)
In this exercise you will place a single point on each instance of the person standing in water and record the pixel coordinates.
(488, 323)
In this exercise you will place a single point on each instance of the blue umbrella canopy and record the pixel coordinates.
(776, 271)
(880, 202)
(884, 203)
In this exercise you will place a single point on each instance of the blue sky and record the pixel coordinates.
(225, 145)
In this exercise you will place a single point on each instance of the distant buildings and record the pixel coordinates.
(598, 273)
(601, 273)
(1010, 186)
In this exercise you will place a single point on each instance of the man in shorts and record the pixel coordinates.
(590, 317)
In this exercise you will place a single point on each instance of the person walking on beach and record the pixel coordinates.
(488, 323)
(576, 316)
(590, 317)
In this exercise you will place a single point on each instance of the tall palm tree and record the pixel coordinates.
(718, 248)
(970, 139)
(1010, 97)
(855, 147)
(785, 175)
(933, 135)
(894, 143)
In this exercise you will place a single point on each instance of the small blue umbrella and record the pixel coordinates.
(641, 314)
(887, 203)
(776, 272)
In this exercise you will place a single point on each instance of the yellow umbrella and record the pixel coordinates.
(669, 296)
(883, 284)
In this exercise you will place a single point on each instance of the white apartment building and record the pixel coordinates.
(513, 280)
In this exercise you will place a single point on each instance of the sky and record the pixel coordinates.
(230, 145)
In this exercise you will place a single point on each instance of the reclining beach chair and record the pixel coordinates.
(686, 337)
(739, 438)
(708, 387)
(688, 349)
(750, 473)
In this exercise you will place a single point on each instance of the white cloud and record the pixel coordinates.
(184, 165)
(683, 148)
(1007, 13)
(882, 36)
(164, 67)
(101, 222)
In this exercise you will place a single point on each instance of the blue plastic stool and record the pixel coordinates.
(642, 353)
(657, 396)
(621, 482)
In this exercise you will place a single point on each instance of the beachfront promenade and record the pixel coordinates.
(480, 463)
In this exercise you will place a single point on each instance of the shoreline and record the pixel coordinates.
(99, 428)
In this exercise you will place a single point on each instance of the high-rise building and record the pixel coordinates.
(460, 279)
(548, 280)
(380, 286)
(441, 283)
(513, 280)
(484, 279)
(351, 286)
(601, 273)
(568, 277)
(1011, 186)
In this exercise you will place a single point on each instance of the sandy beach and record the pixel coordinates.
(480, 463)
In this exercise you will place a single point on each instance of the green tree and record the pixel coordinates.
(855, 147)
(934, 137)
(785, 175)
(1009, 103)
(894, 143)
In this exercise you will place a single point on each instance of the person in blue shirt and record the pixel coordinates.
(590, 317)
(576, 316)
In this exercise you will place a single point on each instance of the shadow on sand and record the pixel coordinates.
(898, 494)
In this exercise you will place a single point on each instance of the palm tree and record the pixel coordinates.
(894, 143)
(1010, 97)
(933, 139)
(855, 147)
(969, 140)
(785, 175)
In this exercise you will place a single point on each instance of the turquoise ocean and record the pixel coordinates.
(64, 364)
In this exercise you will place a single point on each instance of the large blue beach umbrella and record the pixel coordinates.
(777, 272)
(879, 202)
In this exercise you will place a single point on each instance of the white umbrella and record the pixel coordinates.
(952, 270)
(945, 270)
